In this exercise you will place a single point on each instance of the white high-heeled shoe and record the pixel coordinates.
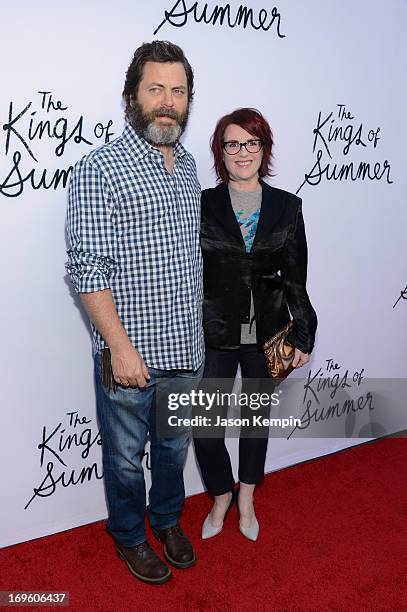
(209, 530)
(251, 532)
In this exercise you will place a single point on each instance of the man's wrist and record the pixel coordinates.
(120, 344)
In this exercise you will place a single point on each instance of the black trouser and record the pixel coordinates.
(211, 453)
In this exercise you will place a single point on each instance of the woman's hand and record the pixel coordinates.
(300, 358)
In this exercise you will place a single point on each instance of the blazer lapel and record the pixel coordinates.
(223, 211)
(272, 207)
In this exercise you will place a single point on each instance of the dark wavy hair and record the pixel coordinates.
(253, 122)
(157, 51)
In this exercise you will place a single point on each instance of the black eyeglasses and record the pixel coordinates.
(232, 147)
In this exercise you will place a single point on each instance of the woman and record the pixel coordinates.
(255, 265)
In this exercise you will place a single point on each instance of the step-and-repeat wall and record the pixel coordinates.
(329, 78)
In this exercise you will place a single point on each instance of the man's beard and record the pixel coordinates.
(145, 126)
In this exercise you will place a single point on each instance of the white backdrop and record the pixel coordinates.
(297, 63)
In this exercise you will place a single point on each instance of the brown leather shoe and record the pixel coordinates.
(177, 548)
(143, 563)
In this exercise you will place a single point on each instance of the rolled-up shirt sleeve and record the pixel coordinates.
(91, 229)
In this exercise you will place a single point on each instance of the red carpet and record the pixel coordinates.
(333, 536)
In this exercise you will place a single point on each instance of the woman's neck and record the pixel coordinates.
(252, 185)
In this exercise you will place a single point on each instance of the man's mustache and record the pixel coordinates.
(165, 112)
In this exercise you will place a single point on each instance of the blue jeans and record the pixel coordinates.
(126, 418)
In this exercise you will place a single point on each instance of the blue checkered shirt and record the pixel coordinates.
(133, 228)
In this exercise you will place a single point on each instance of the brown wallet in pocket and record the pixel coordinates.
(107, 372)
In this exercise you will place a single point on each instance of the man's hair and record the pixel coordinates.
(253, 122)
(157, 51)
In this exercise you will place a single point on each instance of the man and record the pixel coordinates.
(134, 258)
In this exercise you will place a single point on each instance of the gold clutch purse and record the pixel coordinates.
(279, 353)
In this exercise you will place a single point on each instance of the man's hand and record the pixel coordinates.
(129, 369)
(300, 358)
(128, 366)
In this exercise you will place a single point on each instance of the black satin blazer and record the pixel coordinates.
(275, 270)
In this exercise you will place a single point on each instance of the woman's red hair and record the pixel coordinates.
(253, 122)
